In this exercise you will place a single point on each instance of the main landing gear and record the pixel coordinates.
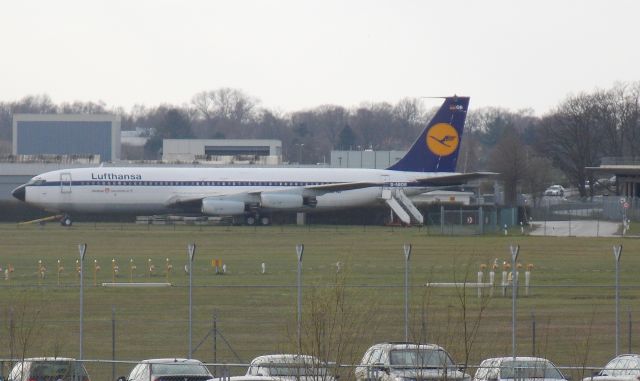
(255, 219)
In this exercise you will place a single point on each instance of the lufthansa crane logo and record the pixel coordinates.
(442, 139)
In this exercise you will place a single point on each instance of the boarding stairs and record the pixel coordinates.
(402, 206)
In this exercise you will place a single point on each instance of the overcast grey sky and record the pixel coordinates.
(294, 54)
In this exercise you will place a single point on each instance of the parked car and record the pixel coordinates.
(290, 367)
(169, 370)
(523, 368)
(48, 369)
(555, 190)
(246, 378)
(621, 368)
(408, 361)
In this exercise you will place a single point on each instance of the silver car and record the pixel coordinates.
(169, 370)
(408, 362)
(48, 369)
(522, 368)
(621, 368)
(290, 367)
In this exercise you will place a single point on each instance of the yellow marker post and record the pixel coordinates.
(115, 269)
(152, 268)
(42, 271)
(60, 270)
(169, 267)
(132, 268)
(96, 268)
(9, 270)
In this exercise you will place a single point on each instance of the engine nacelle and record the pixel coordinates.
(281, 201)
(216, 207)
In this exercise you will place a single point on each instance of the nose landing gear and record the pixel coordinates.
(66, 221)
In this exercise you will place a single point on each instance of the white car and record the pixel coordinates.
(169, 369)
(290, 367)
(48, 368)
(408, 362)
(621, 368)
(555, 190)
(523, 368)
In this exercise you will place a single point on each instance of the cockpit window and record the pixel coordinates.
(36, 181)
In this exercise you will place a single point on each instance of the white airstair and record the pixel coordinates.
(402, 206)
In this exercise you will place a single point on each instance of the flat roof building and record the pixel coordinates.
(67, 134)
(223, 151)
(365, 159)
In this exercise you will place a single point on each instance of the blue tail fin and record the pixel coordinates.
(437, 147)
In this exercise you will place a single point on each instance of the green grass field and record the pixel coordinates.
(572, 294)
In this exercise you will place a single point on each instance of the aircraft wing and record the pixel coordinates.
(194, 201)
(455, 179)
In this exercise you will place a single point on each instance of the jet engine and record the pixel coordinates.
(217, 207)
(281, 201)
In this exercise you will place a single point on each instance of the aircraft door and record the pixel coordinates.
(65, 183)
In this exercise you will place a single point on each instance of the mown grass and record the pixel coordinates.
(572, 296)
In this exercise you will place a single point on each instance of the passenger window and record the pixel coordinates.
(375, 356)
(365, 358)
(145, 373)
(610, 369)
(483, 370)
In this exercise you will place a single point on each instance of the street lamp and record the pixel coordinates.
(407, 254)
(82, 248)
(515, 250)
(191, 249)
(617, 251)
(299, 252)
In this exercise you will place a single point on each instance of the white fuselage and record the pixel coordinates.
(154, 190)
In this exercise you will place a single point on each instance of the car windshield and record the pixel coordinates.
(180, 369)
(55, 370)
(420, 358)
(529, 369)
(289, 369)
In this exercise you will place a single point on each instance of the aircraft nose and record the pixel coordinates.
(19, 193)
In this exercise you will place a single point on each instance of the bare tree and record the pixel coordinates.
(572, 137)
(509, 158)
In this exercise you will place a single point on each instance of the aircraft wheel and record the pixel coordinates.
(250, 220)
(66, 221)
(265, 221)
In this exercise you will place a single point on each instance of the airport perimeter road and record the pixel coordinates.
(576, 228)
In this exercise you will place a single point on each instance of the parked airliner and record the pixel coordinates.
(256, 192)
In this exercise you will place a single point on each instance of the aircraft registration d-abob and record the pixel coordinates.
(257, 192)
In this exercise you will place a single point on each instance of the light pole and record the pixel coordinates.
(514, 289)
(617, 252)
(191, 250)
(407, 254)
(82, 248)
(299, 252)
